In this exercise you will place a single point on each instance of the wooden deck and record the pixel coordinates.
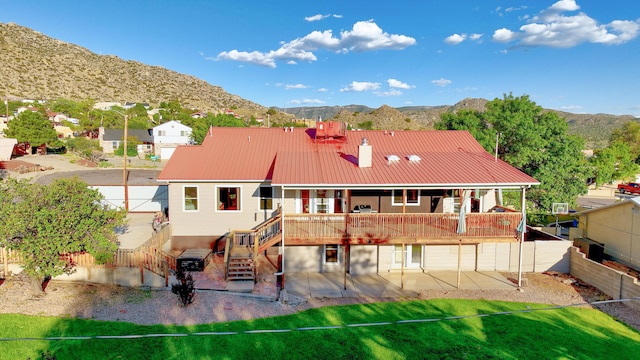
(313, 229)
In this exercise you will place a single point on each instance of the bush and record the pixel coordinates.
(184, 287)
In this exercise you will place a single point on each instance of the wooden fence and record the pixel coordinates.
(148, 256)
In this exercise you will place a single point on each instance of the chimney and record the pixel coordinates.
(365, 154)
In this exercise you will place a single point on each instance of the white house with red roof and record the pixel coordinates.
(327, 199)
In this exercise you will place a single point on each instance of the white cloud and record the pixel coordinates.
(552, 27)
(571, 108)
(392, 92)
(316, 17)
(361, 86)
(393, 83)
(442, 82)
(253, 57)
(319, 17)
(323, 90)
(367, 36)
(312, 101)
(456, 39)
(364, 36)
(295, 86)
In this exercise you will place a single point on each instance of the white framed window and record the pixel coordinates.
(184, 133)
(229, 198)
(413, 198)
(190, 198)
(162, 132)
(331, 254)
(266, 198)
(115, 144)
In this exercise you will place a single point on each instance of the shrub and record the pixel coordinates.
(184, 287)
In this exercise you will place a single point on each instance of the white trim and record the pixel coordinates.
(197, 198)
(393, 198)
(260, 196)
(324, 255)
(217, 200)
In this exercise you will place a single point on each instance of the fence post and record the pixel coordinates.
(5, 261)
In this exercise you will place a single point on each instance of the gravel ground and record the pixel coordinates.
(115, 303)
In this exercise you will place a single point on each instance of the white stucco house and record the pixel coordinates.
(168, 136)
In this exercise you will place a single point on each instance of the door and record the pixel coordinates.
(412, 256)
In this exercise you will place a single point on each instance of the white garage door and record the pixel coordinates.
(166, 152)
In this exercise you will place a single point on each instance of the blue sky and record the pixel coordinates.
(580, 56)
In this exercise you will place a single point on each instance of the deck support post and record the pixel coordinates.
(521, 242)
(459, 261)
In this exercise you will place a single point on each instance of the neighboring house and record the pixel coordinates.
(199, 115)
(6, 148)
(105, 105)
(432, 196)
(617, 226)
(168, 136)
(63, 131)
(110, 140)
(56, 117)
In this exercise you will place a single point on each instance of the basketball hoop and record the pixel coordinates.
(560, 209)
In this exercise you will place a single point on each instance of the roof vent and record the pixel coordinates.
(364, 141)
(392, 159)
(413, 158)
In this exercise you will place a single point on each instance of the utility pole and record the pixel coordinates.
(124, 171)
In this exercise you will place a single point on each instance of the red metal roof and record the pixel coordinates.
(297, 158)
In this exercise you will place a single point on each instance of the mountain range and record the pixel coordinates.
(35, 66)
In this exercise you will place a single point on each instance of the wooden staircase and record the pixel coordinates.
(241, 266)
(243, 246)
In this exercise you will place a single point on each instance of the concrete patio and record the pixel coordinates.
(312, 285)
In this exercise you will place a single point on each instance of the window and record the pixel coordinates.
(413, 197)
(184, 133)
(229, 199)
(331, 254)
(190, 198)
(115, 144)
(266, 198)
(162, 132)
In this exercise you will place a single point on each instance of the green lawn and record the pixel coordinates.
(569, 333)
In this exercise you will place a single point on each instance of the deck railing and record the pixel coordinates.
(387, 226)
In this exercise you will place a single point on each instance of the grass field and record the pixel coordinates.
(456, 329)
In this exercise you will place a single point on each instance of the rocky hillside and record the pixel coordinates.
(35, 66)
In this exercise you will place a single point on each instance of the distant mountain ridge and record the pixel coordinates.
(596, 129)
(35, 66)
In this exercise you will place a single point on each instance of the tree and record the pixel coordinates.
(31, 127)
(615, 162)
(628, 134)
(471, 120)
(45, 223)
(534, 141)
(201, 128)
